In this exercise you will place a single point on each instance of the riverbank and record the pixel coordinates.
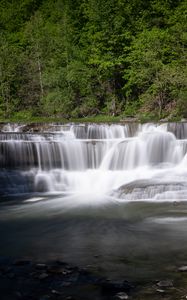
(51, 119)
(90, 119)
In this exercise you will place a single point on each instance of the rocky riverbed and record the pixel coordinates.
(25, 279)
(57, 280)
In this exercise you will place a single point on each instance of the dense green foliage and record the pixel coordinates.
(77, 58)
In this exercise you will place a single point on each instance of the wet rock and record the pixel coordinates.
(41, 266)
(88, 267)
(45, 297)
(109, 287)
(146, 188)
(176, 203)
(33, 274)
(67, 272)
(165, 283)
(121, 296)
(56, 270)
(164, 120)
(61, 263)
(85, 270)
(182, 269)
(54, 280)
(54, 292)
(21, 262)
(66, 284)
(160, 291)
(43, 276)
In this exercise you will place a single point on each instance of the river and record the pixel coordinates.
(109, 197)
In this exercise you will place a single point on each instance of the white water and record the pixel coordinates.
(129, 162)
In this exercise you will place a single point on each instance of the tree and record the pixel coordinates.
(155, 73)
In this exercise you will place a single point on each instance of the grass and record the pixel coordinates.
(97, 119)
(30, 119)
(27, 118)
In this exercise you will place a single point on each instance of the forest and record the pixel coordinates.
(80, 58)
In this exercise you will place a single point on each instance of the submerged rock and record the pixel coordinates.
(160, 291)
(54, 292)
(182, 269)
(121, 296)
(41, 266)
(165, 283)
(113, 287)
(56, 270)
(21, 262)
(45, 297)
(43, 276)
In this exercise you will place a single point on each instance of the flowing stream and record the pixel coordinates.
(111, 196)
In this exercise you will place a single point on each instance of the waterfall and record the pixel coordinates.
(90, 159)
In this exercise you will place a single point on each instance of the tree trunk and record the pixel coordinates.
(40, 76)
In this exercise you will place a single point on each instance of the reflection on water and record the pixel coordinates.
(137, 240)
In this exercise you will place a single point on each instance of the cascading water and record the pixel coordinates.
(129, 162)
(110, 196)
